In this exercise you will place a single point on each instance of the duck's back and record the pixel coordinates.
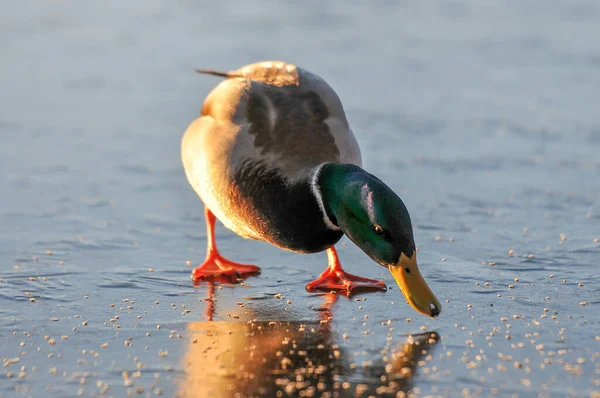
(266, 121)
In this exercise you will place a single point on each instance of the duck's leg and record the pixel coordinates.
(216, 265)
(335, 278)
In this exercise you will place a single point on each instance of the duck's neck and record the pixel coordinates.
(316, 187)
(327, 184)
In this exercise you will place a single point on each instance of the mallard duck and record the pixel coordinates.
(273, 158)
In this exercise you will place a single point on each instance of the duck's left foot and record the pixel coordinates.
(216, 266)
(335, 278)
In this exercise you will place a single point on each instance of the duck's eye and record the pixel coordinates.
(378, 230)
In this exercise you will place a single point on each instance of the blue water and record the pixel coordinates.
(481, 115)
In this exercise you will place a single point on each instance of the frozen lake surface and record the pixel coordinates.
(482, 116)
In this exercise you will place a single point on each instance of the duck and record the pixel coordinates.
(273, 158)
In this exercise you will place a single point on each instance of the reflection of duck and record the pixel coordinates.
(402, 367)
(274, 159)
(260, 358)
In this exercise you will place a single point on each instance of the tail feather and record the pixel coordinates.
(228, 75)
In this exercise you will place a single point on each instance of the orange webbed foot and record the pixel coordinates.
(335, 278)
(216, 266)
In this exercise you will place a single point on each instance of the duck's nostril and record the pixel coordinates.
(434, 309)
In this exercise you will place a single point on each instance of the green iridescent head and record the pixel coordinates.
(377, 221)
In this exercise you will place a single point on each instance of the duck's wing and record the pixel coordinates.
(262, 133)
(289, 119)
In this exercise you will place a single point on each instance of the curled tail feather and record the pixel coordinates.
(275, 73)
(213, 72)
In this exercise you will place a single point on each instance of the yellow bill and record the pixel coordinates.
(413, 286)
